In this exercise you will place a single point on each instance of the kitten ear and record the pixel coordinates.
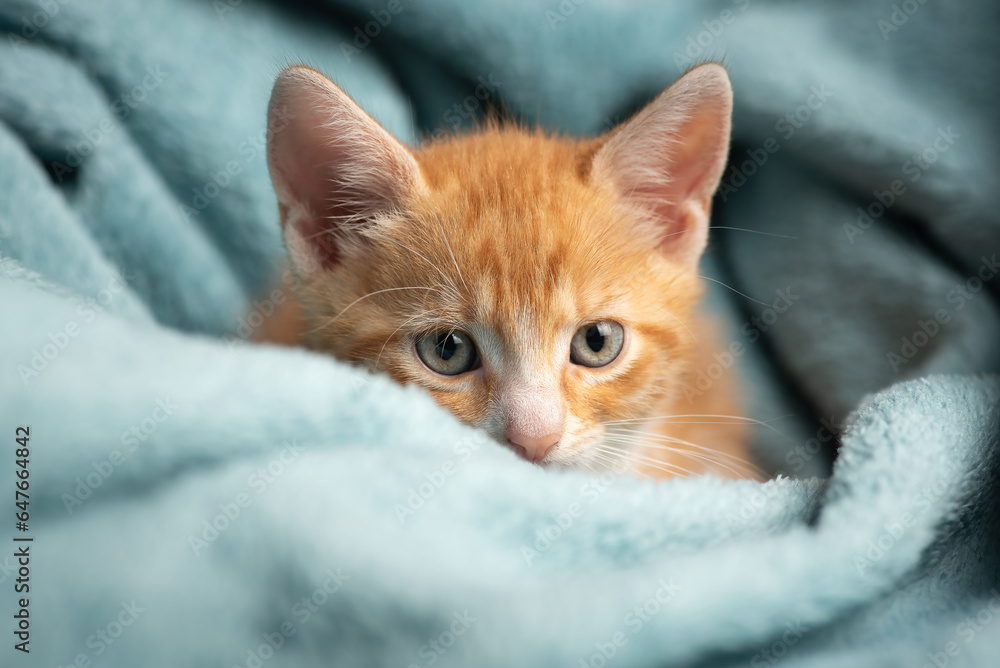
(667, 160)
(334, 168)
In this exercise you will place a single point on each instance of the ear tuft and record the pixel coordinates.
(668, 159)
(334, 168)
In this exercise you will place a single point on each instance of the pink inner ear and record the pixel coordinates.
(311, 240)
(303, 170)
(332, 165)
(669, 158)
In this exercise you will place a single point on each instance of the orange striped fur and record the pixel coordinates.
(516, 238)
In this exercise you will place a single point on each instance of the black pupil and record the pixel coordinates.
(447, 344)
(595, 339)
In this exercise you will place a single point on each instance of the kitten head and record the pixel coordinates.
(537, 286)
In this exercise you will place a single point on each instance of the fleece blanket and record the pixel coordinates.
(190, 499)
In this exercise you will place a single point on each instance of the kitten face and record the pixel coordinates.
(537, 287)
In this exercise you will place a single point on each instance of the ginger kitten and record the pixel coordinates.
(541, 288)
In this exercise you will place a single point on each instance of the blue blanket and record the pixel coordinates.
(198, 500)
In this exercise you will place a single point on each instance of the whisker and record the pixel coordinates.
(647, 458)
(371, 294)
(659, 465)
(634, 468)
(739, 229)
(405, 323)
(683, 324)
(707, 278)
(605, 459)
(690, 455)
(743, 229)
(447, 242)
(729, 287)
(657, 436)
(629, 453)
(446, 277)
(667, 418)
(672, 439)
(713, 457)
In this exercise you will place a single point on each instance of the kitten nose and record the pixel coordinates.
(532, 448)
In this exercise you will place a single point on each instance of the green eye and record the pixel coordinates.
(448, 352)
(597, 344)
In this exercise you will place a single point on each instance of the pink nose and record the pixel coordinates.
(533, 448)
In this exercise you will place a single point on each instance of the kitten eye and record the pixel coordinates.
(448, 352)
(597, 344)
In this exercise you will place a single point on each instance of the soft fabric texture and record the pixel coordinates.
(197, 500)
